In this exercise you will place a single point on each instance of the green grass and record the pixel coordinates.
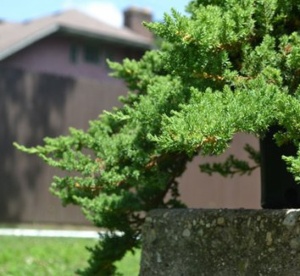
(130, 265)
(27, 256)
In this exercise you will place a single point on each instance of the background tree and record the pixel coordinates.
(230, 66)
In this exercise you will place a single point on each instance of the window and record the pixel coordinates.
(109, 55)
(92, 54)
(74, 51)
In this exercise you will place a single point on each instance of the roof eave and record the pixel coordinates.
(73, 31)
(108, 38)
(28, 41)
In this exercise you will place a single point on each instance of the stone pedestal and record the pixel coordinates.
(196, 242)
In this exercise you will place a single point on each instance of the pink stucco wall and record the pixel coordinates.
(199, 190)
(52, 55)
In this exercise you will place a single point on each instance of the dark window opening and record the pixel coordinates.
(109, 56)
(74, 51)
(92, 54)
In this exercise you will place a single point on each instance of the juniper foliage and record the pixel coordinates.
(228, 66)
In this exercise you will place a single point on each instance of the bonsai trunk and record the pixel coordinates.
(278, 187)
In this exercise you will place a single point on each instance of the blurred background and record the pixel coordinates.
(53, 75)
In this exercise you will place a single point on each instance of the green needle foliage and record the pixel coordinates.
(232, 165)
(230, 66)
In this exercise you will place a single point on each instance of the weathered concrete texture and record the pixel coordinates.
(190, 242)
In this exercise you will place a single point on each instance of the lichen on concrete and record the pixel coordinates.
(198, 242)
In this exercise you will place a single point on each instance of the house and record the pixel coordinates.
(72, 44)
(53, 75)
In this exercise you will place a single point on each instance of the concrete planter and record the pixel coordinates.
(196, 242)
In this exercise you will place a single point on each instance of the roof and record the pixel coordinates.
(15, 37)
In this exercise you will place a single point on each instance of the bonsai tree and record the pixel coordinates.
(230, 66)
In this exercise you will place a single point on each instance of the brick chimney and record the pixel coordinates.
(133, 19)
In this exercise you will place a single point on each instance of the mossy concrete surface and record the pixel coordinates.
(198, 242)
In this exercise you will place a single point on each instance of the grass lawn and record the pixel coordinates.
(22, 256)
